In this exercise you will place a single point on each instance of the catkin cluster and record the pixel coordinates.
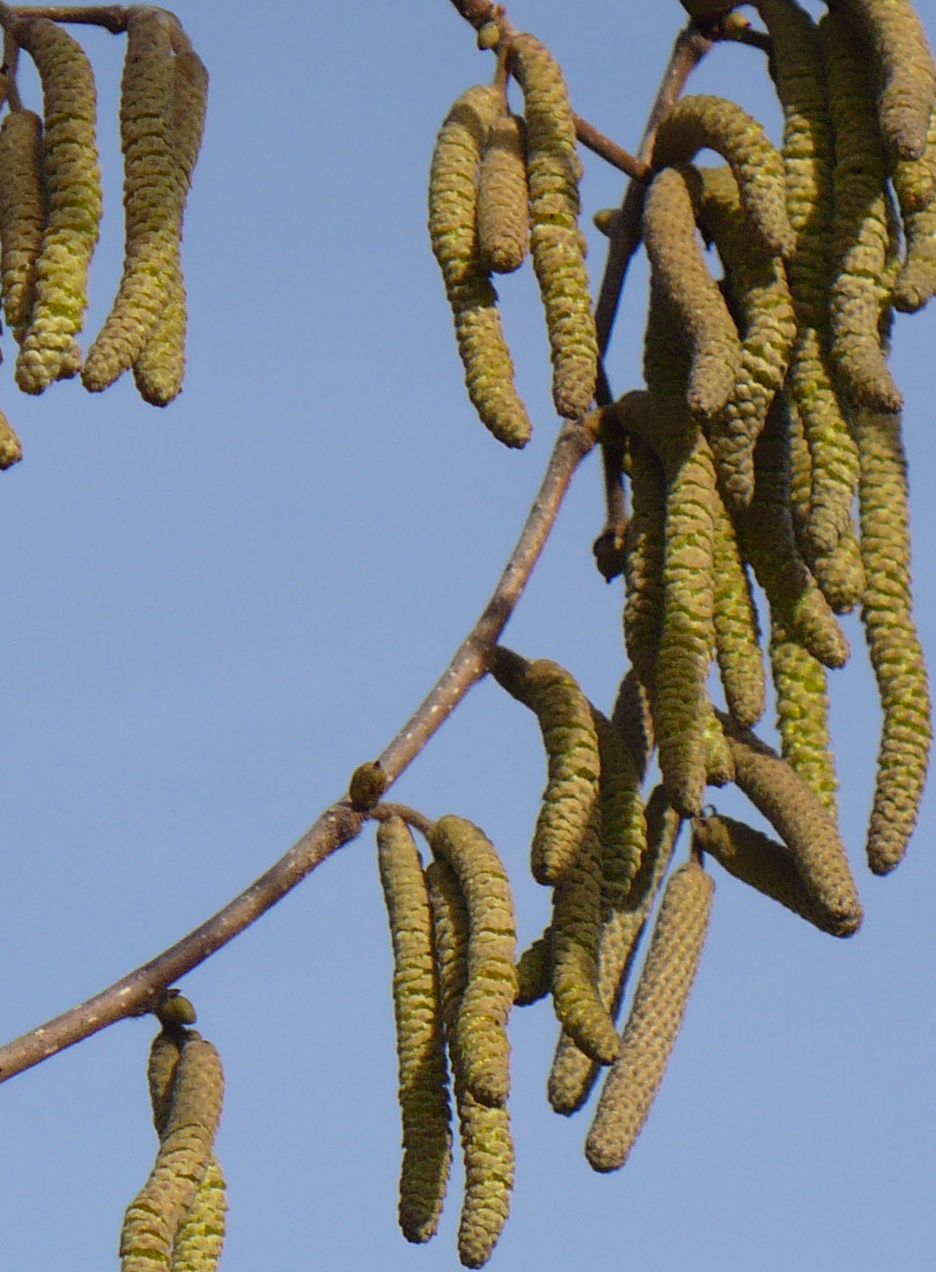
(501, 185)
(177, 1220)
(51, 208)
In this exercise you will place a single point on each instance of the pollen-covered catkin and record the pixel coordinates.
(737, 633)
(487, 1145)
(200, 1238)
(915, 285)
(803, 823)
(643, 563)
(22, 213)
(73, 185)
(503, 197)
(802, 701)
(554, 170)
(492, 946)
(893, 643)
(655, 1017)
(679, 271)
(153, 199)
(160, 368)
(154, 1217)
(632, 720)
(453, 206)
(423, 1088)
(571, 742)
(702, 122)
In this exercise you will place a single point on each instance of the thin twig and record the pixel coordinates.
(137, 992)
(609, 150)
(112, 17)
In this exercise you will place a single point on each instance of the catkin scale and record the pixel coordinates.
(200, 1238)
(492, 944)
(655, 1017)
(73, 183)
(22, 213)
(453, 203)
(423, 1090)
(503, 197)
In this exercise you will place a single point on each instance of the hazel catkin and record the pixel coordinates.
(22, 213)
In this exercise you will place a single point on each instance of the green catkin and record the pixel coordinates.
(453, 202)
(860, 225)
(655, 1017)
(703, 122)
(840, 573)
(554, 170)
(155, 1216)
(73, 185)
(503, 198)
(768, 327)
(632, 720)
(802, 702)
(575, 932)
(423, 1089)
(22, 212)
(152, 201)
(487, 1145)
(916, 281)
(767, 538)
(534, 972)
(573, 1073)
(160, 368)
(719, 762)
(680, 273)
(762, 863)
(571, 742)
(643, 565)
(737, 632)
(667, 356)
(906, 73)
(623, 824)
(914, 180)
(492, 947)
(803, 823)
(200, 1239)
(893, 643)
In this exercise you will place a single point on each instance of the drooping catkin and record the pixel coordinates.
(655, 1018)
(453, 205)
(22, 213)
(632, 720)
(915, 285)
(189, 1125)
(573, 1073)
(802, 702)
(492, 945)
(11, 448)
(423, 1087)
(643, 563)
(503, 197)
(681, 274)
(860, 225)
(762, 863)
(802, 822)
(487, 1145)
(893, 643)
(153, 200)
(700, 122)
(571, 742)
(534, 972)
(73, 185)
(200, 1238)
(737, 632)
(554, 171)
(160, 368)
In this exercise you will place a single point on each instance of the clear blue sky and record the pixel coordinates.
(215, 612)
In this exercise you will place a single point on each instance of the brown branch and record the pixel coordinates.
(141, 989)
(609, 150)
(112, 17)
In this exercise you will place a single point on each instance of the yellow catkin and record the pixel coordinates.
(737, 633)
(893, 643)
(22, 212)
(571, 742)
(573, 1073)
(655, 1018)
(534, 972)
(153, 201)
(201, 1237)
(643, 564)
(914, 180)
(680, 272)
(160, 368)
(762, 863)
(632, 720)
(623, 825)
(802, 822)
(703, 122)
(906, 73)
(189, 1125)
(492, 947)
(574, 936)
(667, 354)
(915, 284)
(453, 204)
(11, 448)
(554, 170)
(802, 701)
(487, 1145)
(860, 224)
(767, 324)
(73, 184)
(423, 1088)
(503, 197)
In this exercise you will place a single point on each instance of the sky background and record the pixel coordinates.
(215, 612)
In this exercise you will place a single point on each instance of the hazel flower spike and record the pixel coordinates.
(23, 213)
